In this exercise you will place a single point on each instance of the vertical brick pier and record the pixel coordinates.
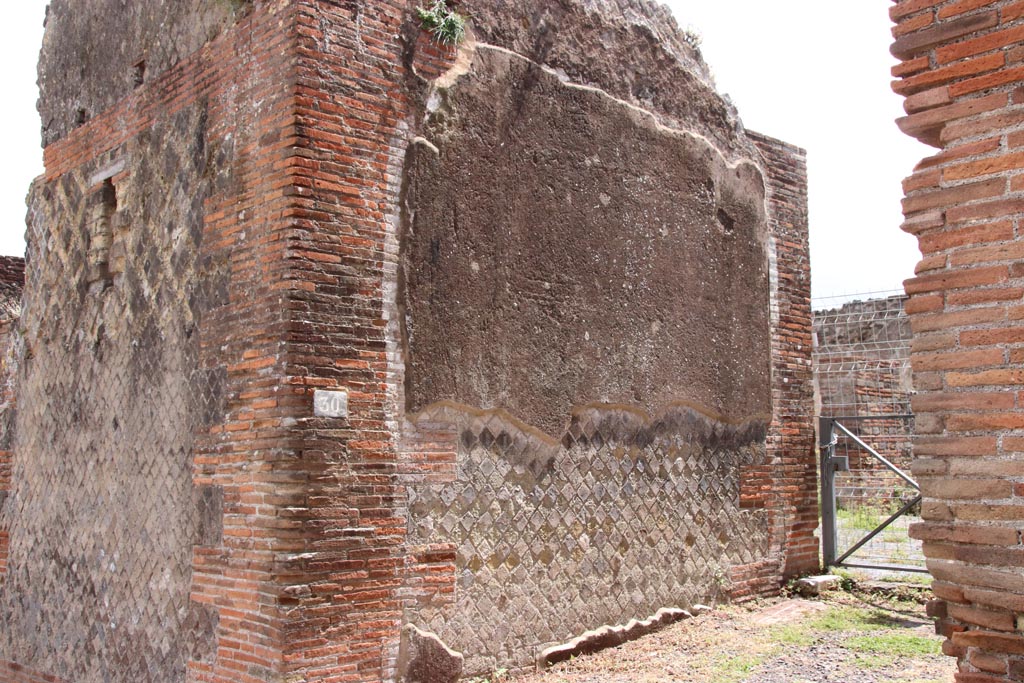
(962, 74)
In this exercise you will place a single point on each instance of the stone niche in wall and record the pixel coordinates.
(584, 297)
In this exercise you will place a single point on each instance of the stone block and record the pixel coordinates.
(610, 636)
(816, 585)
(423, 658)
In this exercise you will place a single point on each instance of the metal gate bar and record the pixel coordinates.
(878, 456)
(878, 529)
(832, 464)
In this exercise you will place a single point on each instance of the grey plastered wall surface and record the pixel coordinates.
(111, 392)
(128, 43)
(584, 297)
(563, 248)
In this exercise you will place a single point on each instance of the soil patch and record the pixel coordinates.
(840, 638)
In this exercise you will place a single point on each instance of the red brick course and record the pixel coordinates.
(792, 480)
(970, 214)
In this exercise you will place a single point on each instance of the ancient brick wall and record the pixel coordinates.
(141, 546)
(862, 358)
(12, 280)
(961, 74)
(239, 230)
(787, 483)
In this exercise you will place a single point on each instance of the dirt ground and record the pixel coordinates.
(854, 637)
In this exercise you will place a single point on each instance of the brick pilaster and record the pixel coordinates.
(961, 74)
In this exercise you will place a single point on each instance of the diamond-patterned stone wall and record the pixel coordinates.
(624, 516)
(102, 512)
(12, 280)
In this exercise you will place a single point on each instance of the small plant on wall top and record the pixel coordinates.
(446, 25)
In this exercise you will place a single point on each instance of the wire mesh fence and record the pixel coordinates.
(862, 377)
(862, 357)
(869, 492)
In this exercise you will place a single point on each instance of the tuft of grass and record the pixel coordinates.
(860, 517)
(847, 579)
(875, 661)
(735, 668)
(446, 25)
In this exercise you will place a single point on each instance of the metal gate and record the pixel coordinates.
(867, 500)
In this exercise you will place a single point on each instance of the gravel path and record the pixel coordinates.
(842, 639)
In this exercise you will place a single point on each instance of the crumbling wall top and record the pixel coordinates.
(632, 49)
(128, 43)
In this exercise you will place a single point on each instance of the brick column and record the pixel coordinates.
(787, 484)
(791, 438)
(356, 69)
(961, 73)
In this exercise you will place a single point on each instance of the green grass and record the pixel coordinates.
(916, 579)
(861, 518)
(875, 638)
(894, 536)
(898, 644)
(446, 25)
(899, 554)
(846, 618)
(735, 668)
(792, 635)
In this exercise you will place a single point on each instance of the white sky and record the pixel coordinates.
(802, 71)
(797, 70)
(21, 35)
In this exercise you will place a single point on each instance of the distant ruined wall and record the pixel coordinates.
(567, 303)
(862, 370)
(961, 73)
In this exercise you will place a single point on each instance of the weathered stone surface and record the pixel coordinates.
(610, 636)
(563, 248)
(816, 585)
(91, 59)
(579, 283)
(423, 658)
(626, 515)
(110, 393)
(593, 41)
(12, 282)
